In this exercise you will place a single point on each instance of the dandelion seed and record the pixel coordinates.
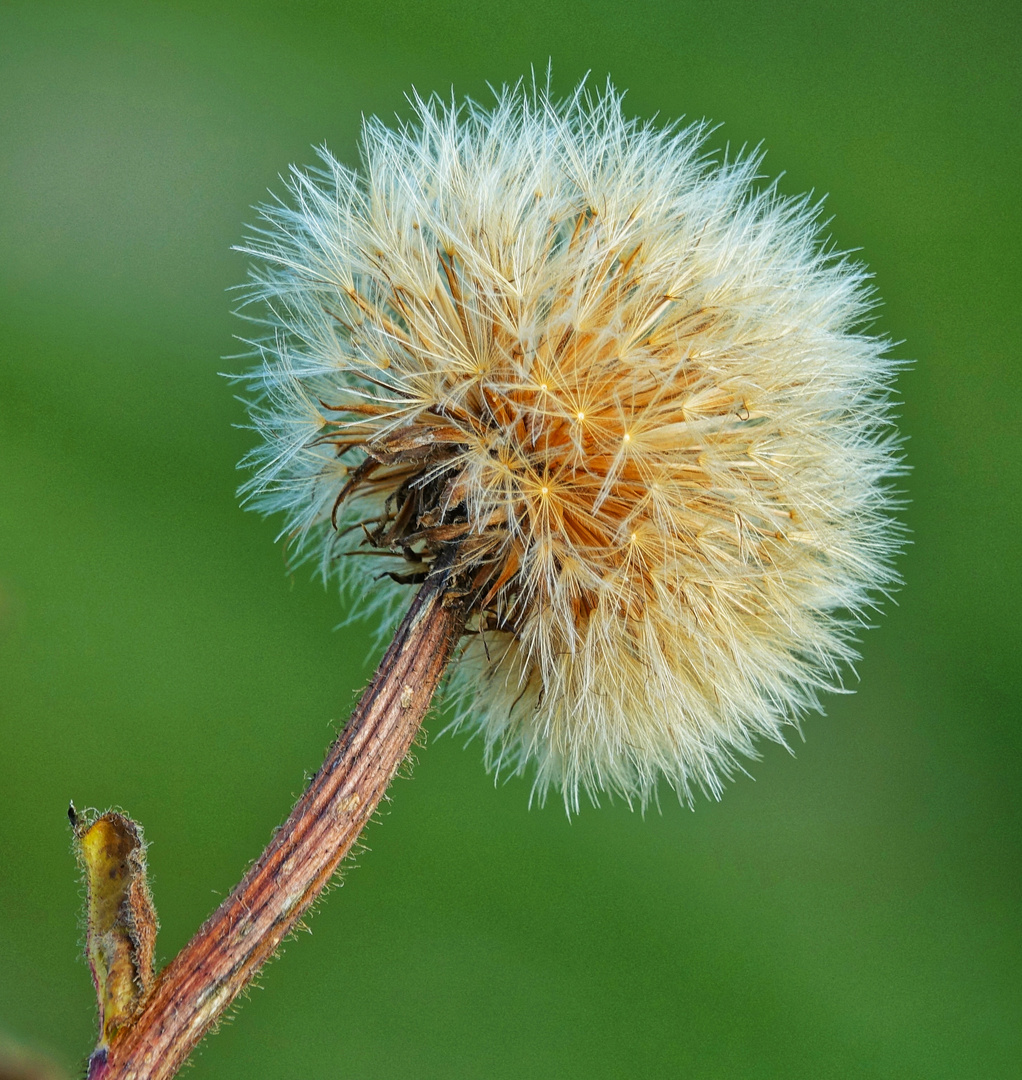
(500, 302)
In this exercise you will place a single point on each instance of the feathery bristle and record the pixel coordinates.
(630, 387)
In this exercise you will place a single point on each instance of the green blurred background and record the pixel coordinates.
(854, 912)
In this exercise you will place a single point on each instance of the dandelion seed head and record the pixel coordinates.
(630, 384)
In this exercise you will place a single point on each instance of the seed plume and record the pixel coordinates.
(627, 383)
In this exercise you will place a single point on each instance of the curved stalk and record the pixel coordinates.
(243, 933)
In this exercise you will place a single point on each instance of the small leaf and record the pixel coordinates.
(121, 933)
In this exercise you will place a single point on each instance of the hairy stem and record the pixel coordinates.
(244, 932)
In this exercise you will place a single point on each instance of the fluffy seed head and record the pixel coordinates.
(628, 385)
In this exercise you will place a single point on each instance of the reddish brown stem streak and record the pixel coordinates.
(245, 931)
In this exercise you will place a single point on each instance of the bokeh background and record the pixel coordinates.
(853, 912)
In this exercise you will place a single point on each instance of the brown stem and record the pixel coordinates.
(244, 932)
